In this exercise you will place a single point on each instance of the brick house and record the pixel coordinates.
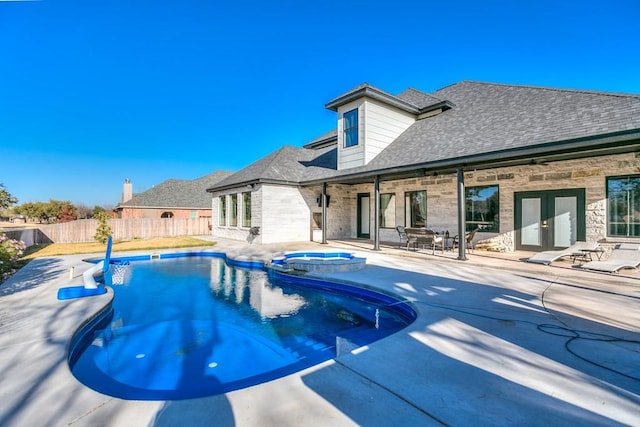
(534, 168)
(173, 198)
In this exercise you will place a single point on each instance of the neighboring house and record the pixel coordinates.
(535, 168)
(173, 198)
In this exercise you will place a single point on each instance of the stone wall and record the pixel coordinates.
(285, 213)
(590, 174)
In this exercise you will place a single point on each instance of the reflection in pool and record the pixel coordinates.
(195, 326)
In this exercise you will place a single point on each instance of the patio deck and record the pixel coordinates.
(497, 341)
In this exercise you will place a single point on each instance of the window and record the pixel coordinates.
(483, 208)
(415, 208)
(387, 210)
(246, 209)
(350, 125)
(233, 214)
(223, 210)
(623, 199)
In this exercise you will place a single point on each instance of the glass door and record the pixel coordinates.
(364, 215)
(549, 220)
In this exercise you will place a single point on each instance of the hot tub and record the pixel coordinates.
(319, 261)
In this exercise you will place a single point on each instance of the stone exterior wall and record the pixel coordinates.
(285, 213)
(286, 216)
(590, 174)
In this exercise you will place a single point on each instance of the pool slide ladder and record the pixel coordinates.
(88, 277)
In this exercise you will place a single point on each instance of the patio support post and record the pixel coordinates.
(324, 213)
(376, 213)
(462, 241)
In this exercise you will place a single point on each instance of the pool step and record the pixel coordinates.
(303, 347)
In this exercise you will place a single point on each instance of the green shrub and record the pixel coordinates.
(10, 251)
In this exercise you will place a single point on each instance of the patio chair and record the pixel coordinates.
(577, 249)
(625, 255)
(468, 238)
(402, 235)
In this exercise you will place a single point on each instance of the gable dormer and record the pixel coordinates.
(370, 119)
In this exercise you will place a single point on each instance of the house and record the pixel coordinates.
(533, 168)
(173, 198)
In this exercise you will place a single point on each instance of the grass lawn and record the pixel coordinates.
(53, 249)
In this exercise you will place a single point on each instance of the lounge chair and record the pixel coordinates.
(625, 255)
(576, 250)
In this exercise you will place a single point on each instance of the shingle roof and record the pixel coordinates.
(178, 193)
(487, 119)
(324, 139)
(418, 98)
(286, 165)
(490, 118)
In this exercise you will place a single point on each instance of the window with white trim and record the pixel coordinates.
(222, 212)
(350, 128)
(233, 210)
(246, 209)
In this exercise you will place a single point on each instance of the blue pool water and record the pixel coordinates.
(195, 326)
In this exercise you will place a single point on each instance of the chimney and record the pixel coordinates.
(127, 191)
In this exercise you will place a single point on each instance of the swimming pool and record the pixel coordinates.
(196, 326)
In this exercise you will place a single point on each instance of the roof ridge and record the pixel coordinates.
(549, 88)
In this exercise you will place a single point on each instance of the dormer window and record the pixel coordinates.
(350, 123)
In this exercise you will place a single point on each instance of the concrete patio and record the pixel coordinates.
(497, 342)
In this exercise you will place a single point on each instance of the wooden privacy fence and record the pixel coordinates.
(83, 230)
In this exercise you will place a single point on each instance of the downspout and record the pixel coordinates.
(324, 213)
(376, 213)
(462, 240)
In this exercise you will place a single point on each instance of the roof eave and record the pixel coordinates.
(616, 143)
(252, 183)
(372, 93)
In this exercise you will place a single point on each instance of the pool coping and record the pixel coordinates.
(429, 387)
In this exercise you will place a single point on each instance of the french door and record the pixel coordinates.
(549, 220)
(364, 215)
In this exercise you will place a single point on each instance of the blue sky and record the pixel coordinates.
(93, 92)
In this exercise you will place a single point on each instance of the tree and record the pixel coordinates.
(31, 210)
(6, 199)
(68, 213)
(48, 212)
(103, 231)
(97, 210)
(84, 211)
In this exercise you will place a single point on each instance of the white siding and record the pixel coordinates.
(353, 156)
(378, 126)
(382, 126)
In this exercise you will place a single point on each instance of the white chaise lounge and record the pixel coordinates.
(625, 255)
(576, 250)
